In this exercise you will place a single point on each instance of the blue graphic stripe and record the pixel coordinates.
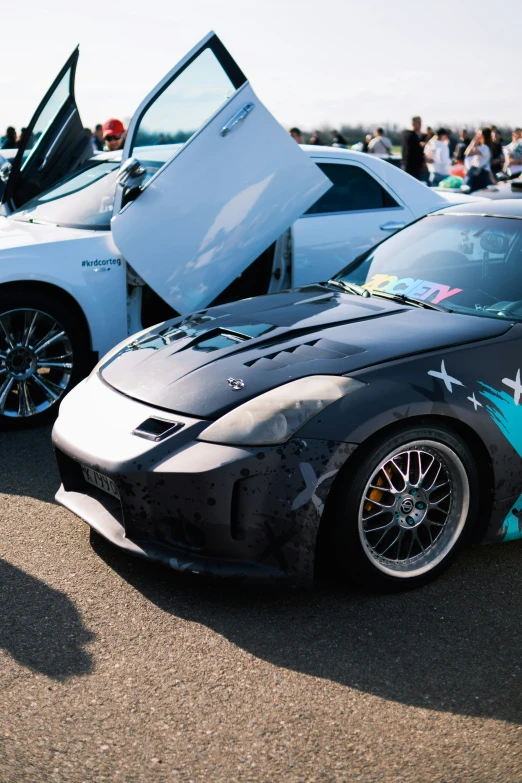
(507, 415)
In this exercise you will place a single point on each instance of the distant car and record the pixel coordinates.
(502, 190)
(370, 425)
(198, 213)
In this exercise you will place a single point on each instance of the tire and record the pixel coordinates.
(44, 352)
(406, 512)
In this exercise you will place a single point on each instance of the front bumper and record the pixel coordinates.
(244, 513)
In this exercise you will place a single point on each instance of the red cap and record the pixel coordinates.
(112, 128)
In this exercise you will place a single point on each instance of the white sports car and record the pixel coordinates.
(209, 201)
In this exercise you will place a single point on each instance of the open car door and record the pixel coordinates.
(234, 184)
(54, 144)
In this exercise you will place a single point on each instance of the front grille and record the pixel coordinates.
(138, 525)
(70, 472)
(180, 533)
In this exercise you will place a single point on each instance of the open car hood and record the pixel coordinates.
(183, 365)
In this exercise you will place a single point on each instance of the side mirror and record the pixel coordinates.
(132, 174)
(5, 170)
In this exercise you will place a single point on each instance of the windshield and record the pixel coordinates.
(85, 198)
(464, 263)
(81, 200)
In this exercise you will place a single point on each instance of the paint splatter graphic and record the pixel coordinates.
(507, 415)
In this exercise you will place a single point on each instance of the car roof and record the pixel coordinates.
(508, 207)
(314, 150)
(320, 151)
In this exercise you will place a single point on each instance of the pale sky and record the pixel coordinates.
(311, 63)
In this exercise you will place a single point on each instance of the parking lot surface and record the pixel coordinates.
(113, 669)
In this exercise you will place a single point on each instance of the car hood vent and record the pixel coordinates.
(184, 366)
(313, 350)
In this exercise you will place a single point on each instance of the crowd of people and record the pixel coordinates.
(378, 144)
(109, 136)
(12, 140)
(435, 157)
(479, 161)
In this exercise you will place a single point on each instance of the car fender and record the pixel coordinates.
(451, 384)
(88, 267)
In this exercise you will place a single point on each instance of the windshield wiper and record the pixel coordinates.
(409, 300)
(350, 288)
(35, 222)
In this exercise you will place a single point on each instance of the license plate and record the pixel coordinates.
(100, 481)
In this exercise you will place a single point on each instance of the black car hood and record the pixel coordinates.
(183, 365)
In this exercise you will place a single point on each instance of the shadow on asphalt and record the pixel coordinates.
(453, 646)
(27, 464)
(40, 627)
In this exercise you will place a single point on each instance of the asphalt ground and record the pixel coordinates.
(113, 669)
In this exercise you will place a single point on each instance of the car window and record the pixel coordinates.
(48, 115)
(184, 105)
(81, 200)
(466, 263)
(85, 198)
(354, 189)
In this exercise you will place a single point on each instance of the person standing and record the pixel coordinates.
(97, 138)
(296, 134)
(437, 157)
(412, 151)
(315, 138)
(366, 142)
(380, 145)
(462, 144)
(8, 142)
(20, 141)
(513, 155)
(452, 143)
(478, 161)
(497, 155)
(426, 137)
(338, 139)
(113, 134)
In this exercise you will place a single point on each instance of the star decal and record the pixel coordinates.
(312, 483)
(516, 385)
(447, 379)
(476, 403)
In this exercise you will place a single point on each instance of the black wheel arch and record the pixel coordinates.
(468, 435)
(61, 295)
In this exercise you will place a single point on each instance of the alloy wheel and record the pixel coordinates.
(36, 362)
(414, 508)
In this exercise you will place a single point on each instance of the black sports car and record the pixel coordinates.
(368, 426)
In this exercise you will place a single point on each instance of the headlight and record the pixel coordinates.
(275, 416)
(128, 342)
